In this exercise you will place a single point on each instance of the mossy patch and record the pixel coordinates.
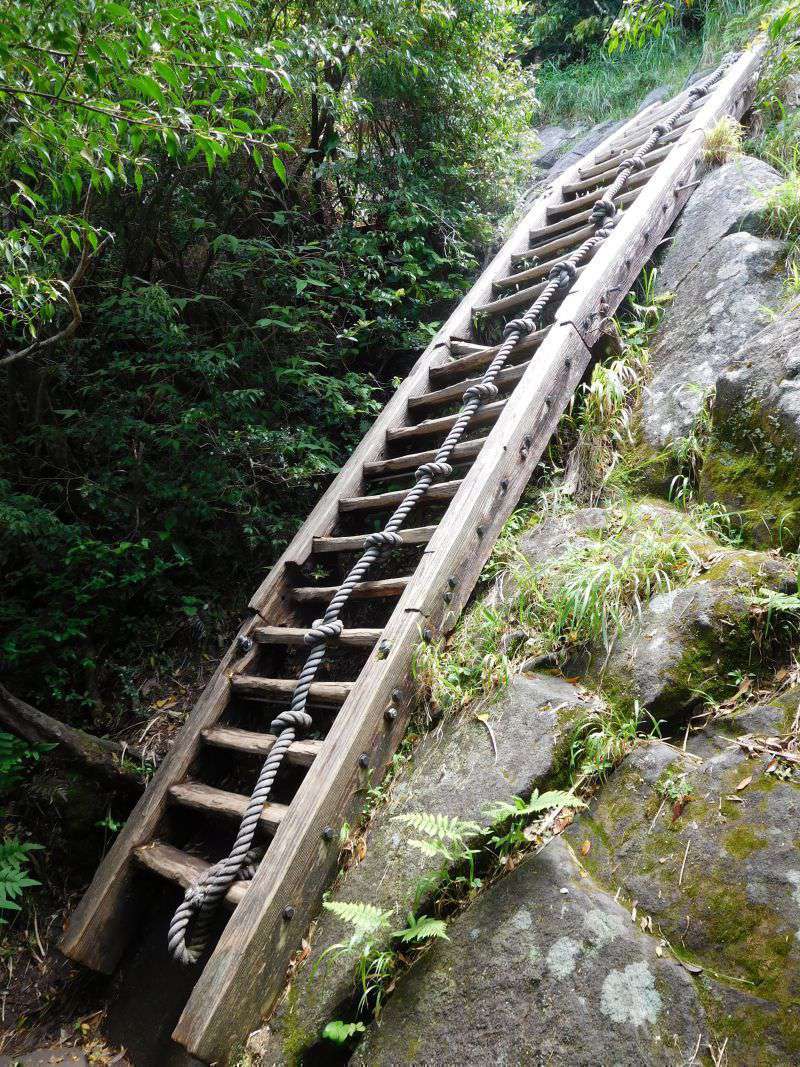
(743, 841)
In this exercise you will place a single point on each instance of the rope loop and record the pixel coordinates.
(661, 128)
(602, 210)
(482, 391)
(563, 273)
(635, 162)
(291, 719)
(383, 539)
(435, 469)
(323, 631)
(698, 90)
(520, 326)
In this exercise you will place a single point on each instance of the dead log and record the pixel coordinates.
(96, 756)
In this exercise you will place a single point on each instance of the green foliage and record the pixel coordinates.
(14, 876)
(515, 824)
(340, 1032)
(366, 919)
(605, 736)
(421, 928)
(241, 330)
(16, 757)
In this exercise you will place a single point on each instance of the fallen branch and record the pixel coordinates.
(96, 756)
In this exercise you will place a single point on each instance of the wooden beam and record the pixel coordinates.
(181, 868)
(488, 413)
(212, 801)
(295, 636)
(383, 501)
(385, 468)
(383, 587)
(459, 369)
(452, 394)
(300, 753)
(252, 687)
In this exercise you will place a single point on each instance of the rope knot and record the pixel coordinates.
(323, 631)
(634, 162)
(698, 90)
(383, 539)
(482, 391)
(291, 719)
(661, 128)
(520, 326)
(602, 210)
(563, 273)
(435, 469)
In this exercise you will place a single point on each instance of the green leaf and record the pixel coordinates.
(279, 168)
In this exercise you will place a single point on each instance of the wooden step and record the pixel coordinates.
(542, 253)
(465, 348)
(620, 148)
(463, 368)
(559, 211)
(453, 393)
(532, 274)
(376, 590)
(300, 753)
(207, 798)
(294, 636)
(386, 468)
(574, 221)
(254, 687)
(182, 868)
(523, 298)
(583, 186)
(382, 501)
(419, 536)
(488, 413)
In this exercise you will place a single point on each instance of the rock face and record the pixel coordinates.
(455, 772)
(719, 305)
(752, 461)
(687, 641)
(723, 275)
(543, 968)
(719, 877)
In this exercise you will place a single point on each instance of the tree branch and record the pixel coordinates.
(96, 756)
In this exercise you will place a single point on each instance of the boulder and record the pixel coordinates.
(454, 772)
(719, 305)
(544, 967)
(728, 200)
(718, 877)
(687, 643)
(553, 141)
(752, 463)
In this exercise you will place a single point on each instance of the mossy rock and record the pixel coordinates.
(719, 878)
(692, 643)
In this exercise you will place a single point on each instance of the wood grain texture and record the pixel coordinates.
(212, 801)
(383, 587)
(386, 501)
(300, 753)
(181, 868)
(252, 687)
(295, 636)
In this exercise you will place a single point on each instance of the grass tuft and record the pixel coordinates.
(723, 142)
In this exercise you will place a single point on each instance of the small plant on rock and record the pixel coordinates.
(723, 141)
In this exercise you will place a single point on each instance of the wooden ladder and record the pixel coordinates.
(188, 814)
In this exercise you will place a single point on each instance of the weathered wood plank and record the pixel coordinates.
(383, 587)
(524, 298)
(451, 394)
(571, 207)
(181, 868)
(440, 426)
(212, 801)
(252, 687)
(419, 535)
(384, 501)
(463, 452)
(461, 368)
(295, 636)
(300, 753)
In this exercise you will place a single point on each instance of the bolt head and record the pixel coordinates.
(397, 695)
(244, 643)
(288, 913)
(327, 833)
(390, 714)
(363, 760)
(448, 597)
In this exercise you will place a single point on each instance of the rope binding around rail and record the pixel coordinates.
(190, 928)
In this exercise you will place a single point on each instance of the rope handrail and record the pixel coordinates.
(190, 928)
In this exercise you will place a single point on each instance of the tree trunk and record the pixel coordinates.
(96, 756)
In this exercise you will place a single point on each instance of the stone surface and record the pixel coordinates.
(543, 968)
(720, 878)
(728, 200)
(554, 140)
(686, 641)
(753, 461)
(57, 1056)
(455, 773)
(719, 305)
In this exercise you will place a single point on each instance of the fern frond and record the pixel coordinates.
(439, 827)
(423, 928)
(365, 918)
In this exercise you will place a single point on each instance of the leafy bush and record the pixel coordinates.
(14, 876)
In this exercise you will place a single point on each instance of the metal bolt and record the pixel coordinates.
(427, 635)
(397, 695)
(548, 401)
(451, 581)
(244, 643)
(327, 833)
(479, 531)
(504, 485)
(384, 648)
(568, 362)
(448, 597)
(288, 913)
(390, 714)
(363, 760)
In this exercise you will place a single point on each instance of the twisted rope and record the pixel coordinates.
(190, 927)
